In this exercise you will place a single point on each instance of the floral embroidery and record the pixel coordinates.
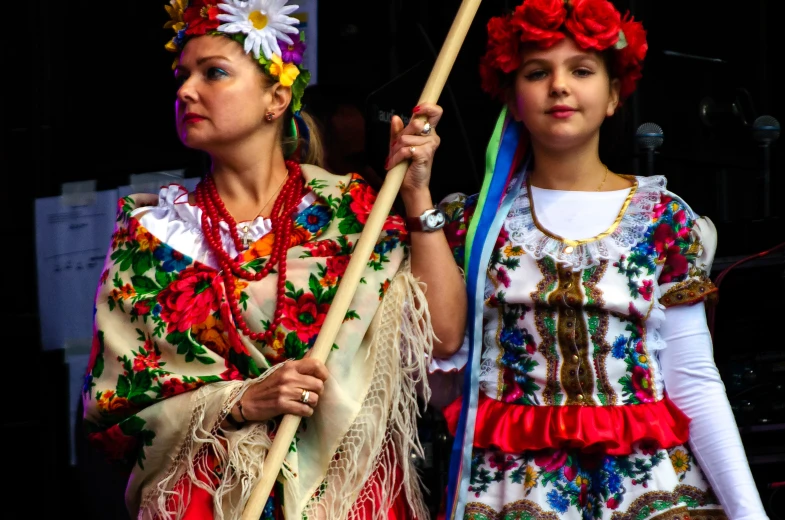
(681, 462)
(185, 336)
(518, 344)
(459, 214)
(637, 385)
(589, 482)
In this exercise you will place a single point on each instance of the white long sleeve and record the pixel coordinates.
(693, 382)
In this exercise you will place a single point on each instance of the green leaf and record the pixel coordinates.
(126, 263)
(176, 337)
(144, 285)
(132, 426)
(351, 315)
(143, 261)
(549, 476)
(141, 400)
(315, 287)
(344, 210)
(298, 89)
(205, 360)
(142, 383)
(123, 386)
(350, 225)
(162, 278)
(293, 347)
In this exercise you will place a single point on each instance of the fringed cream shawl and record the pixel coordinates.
(167, 365)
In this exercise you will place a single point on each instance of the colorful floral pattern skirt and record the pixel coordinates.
(553, 484)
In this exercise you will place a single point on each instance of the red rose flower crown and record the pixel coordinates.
(593, 24)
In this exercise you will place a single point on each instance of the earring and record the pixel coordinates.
(269, 117)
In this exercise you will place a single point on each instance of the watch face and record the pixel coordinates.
(435, 220)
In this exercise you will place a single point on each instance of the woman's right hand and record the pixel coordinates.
(282, 392)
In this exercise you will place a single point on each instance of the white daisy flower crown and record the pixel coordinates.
(263, 27)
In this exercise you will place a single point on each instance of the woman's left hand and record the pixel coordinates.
(412, 144)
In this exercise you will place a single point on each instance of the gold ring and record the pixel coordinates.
(305, 397)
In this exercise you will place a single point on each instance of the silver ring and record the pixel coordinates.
(412, 149)
(426, 129)
(305, 397)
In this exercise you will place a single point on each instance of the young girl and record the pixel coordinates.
(590, 388)
(211, 300)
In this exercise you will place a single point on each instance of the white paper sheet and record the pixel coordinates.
(71, 246)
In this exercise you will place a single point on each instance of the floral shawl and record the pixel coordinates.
(167, 364)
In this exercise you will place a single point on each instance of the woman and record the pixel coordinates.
(591, 390)
(210, 302)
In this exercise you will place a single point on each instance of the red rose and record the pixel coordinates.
(502, 238)
(201, 17)
(363, 198)
(490, 79)
(648, 447)
(676, 265)
(190, 299)
(455, 233)
(629, 60)
(174, 386)
(133, 227)
(114, 443)
(570, 472)
(322, 248)
(664, 238)
(641, 383)
(231, 373)
(594, 24)
(396, 224)
(552, 461)
(151, 360)
(336, 265)
(540, 20)
(142, 307)
(503, 277)
(304, 316)
(646, 290)
(95, 348)
(503, 51)
(612, 503)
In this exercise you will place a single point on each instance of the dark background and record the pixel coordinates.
(92, 98)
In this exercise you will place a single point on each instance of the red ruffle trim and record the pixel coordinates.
(514, 428)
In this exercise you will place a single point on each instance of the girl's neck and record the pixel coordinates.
(568, 170)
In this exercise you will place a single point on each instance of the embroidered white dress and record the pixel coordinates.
(585, 404)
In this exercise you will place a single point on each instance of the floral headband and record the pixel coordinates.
(261, 26)
(593, 24)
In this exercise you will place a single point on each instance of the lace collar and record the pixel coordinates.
(628, 230)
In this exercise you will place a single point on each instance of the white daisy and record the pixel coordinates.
(264, 22)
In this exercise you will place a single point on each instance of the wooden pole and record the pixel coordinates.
(362, 252)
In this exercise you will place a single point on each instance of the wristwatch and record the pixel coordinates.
(431, 220)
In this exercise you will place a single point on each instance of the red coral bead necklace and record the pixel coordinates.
(214, 212)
